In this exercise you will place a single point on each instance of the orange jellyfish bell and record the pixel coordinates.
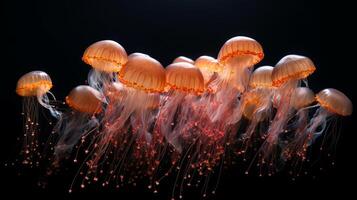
(302, 97)
(143, 72)
(335, 101)
(238, 55)
(250, 106)
(35, 83)
(261, 77)
(208, 66)
(183, 59)
(208, 63)
(292, 67)
(105, 55)
(253, 100)
(247, 50)
(184, 77)
(85, 99)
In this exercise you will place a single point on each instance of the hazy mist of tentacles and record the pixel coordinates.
(137, 122)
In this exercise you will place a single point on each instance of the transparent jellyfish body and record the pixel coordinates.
(331, 103)
(80, 122)
(125, 138)
(34, 87)
(138, 123)
(286, 75)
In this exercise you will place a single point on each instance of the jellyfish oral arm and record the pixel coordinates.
(318, 121)
(44, 101)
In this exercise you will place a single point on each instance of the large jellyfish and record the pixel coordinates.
(199, 143)
(106, 57)
(34, 87)
(127, 122)
(287, 74)
(185, 82)
(79, 122)
(238, 55)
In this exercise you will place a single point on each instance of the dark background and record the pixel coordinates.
(52, 35)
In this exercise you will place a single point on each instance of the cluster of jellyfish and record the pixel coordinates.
(137, 120)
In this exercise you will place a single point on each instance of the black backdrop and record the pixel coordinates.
(52, 35)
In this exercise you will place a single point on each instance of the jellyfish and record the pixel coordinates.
(127, 120)
(332, 103)
(301, 100)
(237, 56)
(286, 75)
(199, 143)
(295, 139)
(106, 57)
(34, 87)
(257, 101)
(183, 59)
(257, 108)
(184, 82)
(209, 67)
(78, 123)
(144, 80)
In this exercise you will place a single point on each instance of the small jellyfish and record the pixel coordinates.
(85, 103)
(261, 87)
(256, 109)
(209, 67)
(183, 59)
(256, 105)
(301, 100)
(34, 87)
(332, 103)
(302, 97)
(261, 78)
(115, 92)
(106, 57)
